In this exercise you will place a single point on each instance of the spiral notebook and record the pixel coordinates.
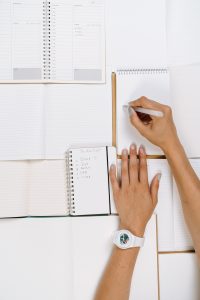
(52, 40)
(78, 185)
(130, 85)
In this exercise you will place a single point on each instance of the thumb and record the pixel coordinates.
(154, 188)
(136, 122)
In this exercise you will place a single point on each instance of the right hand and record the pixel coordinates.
(161, 131)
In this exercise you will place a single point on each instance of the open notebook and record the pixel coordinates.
(52, 40)
(78, 185)
(132, 84)
(42, 121)
(64, 258)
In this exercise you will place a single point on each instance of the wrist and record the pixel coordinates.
(173, 147)
(135, 229)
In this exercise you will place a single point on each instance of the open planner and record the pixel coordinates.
(130, 85)
(78, 185)
(52, 40)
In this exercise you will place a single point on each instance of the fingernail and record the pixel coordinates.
(142, 149)
(159, 175)
(112, 167)
(124, 152)
(131, 111)
(133, 147)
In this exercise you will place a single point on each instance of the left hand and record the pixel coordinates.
(135, 200)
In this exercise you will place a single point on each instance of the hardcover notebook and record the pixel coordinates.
(52, 40)
(78, 185)
(132, 84)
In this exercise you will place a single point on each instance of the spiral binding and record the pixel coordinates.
(70, 183)
(46, 40)
(142, 71)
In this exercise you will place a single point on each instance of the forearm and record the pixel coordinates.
(189, 189)
(116, 280)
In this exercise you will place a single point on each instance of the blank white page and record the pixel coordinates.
(77, 40)
(48, 188)
(130, 86)
(183, 32)
(164, 208)
(137, 33)
(90, 258)
(89, 181)
(21, 122)
(185, 91)
(183, 240)
(14, 190)
(179, 276)
(77, 115)
(36, 259)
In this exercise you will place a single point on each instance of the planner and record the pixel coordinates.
(64, 258)
(130, 85)
(52, 40)
(78, 185)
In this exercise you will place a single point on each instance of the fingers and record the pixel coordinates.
(147, 103)
(137, 123)
(113, 180)
(154, 188)
(143, 173)
(133, 164)
(125, 172)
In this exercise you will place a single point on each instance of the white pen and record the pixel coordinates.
(147, 111)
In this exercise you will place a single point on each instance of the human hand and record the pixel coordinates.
(160, 131)
(135, 200)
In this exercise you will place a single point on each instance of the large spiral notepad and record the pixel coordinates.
(132, 84)
(52, 40)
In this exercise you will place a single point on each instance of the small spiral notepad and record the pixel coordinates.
(132, 84)
(87, 179)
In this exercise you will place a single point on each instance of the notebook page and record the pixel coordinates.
(179, 276)
(48, 194)
(36, 259)
(90, 258)
(22, 25)
(185, 90)
(5, 40)
(74, 117)
(183, 240)
(14, 191)
(164, 208)
(89, 181)
(77, 40)
(21, 122)
(130, 86)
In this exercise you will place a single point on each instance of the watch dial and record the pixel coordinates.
(124, 238)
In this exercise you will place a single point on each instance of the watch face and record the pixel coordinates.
(124, 239)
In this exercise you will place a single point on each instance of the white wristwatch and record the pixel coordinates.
(124, 239)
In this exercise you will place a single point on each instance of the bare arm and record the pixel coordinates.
(135, 201)
(162, 132)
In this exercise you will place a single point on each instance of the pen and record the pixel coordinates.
(146, 111)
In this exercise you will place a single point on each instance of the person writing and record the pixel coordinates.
(135, 199)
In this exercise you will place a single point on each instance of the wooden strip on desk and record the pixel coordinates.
(176, 252)
(114, 129)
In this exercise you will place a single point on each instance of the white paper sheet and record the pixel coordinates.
(136, 33)
(183, 32)
(185, 93)
(179, 276)
(91, 259)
